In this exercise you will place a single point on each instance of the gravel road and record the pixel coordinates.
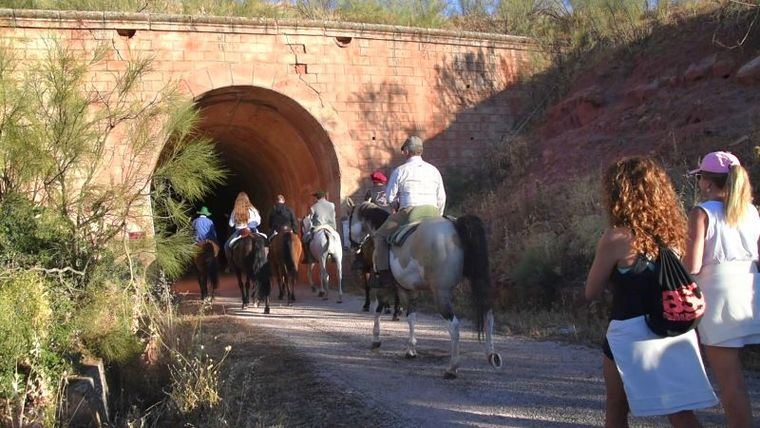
(540, 384)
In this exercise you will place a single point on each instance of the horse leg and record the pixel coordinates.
(281, 282)
(365, 276)
(411, 319)
(396, 306)
(309, 275)
(446, 311)
(493, 357)
(256, 293)
(324, 277)
(339, 266)
(202, 280)
(376, 327)
(291, 288)
(241, 287)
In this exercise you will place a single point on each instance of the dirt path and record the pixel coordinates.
(316, 354)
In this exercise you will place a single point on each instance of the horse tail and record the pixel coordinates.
(290, 264)
(476, 266)
(264, 278)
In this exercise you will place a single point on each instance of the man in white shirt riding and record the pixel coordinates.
(413, 185)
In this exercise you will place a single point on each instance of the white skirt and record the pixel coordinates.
(732, 304)
(661, 375)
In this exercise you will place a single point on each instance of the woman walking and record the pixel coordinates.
(722, 252)
(644, 373)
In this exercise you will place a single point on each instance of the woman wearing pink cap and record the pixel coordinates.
(722, 252)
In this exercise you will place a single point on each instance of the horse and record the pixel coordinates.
(284, 255)
(207, 267)
(325, 244)
(249, 256)
(363, 252)
(437, 256)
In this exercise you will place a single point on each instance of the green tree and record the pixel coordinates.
(79, 166)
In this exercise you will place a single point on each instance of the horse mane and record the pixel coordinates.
(373, 214)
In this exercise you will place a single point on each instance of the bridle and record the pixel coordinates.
(355, 246)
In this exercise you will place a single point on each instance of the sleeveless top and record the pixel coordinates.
(724, 243)
(633, 289)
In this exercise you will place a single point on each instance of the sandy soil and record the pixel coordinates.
(311, 365)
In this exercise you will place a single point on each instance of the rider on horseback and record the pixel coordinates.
(376, 194)
(414, 186)
(281, 216)
(204, 227)
(322, 213)
(244, 216)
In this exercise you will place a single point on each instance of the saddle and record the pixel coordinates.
(246, 233)
(417, 216)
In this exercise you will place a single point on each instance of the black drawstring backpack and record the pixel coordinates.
(678, 305)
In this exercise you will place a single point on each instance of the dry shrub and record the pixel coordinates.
(106, 324)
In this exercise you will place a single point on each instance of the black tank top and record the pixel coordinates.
(634, 290)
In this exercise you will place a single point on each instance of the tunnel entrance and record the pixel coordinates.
(271, 145)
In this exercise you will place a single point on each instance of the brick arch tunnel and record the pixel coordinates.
(271, 145)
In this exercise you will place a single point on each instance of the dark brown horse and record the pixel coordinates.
(284, 256)
(366, 268)
(207, 267)
(249, 257)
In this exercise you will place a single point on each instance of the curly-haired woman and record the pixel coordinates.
(644, 373)
(723, 251)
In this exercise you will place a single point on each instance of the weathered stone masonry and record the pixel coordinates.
(295, 106)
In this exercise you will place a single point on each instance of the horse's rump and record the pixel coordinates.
(284, 253)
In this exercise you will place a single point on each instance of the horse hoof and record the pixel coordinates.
(321, 294)
(375, 345)
(340, 300)
(495, 360)
(365, 308)
(266, 310)
(256, 304)
(313, 289)
(395, 317)
(280, 297)
(410, 355)
(449, 374)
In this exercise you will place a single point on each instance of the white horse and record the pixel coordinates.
(438, 256)
(325, 243)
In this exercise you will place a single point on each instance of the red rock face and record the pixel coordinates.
(294, 107)
(681, 96)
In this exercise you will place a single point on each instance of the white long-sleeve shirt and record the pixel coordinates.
(416, 183)
(254, 219)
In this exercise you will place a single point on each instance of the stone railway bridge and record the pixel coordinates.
(295, 106)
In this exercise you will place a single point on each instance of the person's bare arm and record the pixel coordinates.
(695, 241)
(608, 252)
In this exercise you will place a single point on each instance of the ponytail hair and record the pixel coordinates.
(738, 195)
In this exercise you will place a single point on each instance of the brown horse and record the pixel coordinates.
(249, 259)
(366, 269)
(284, 256)
(207, 267)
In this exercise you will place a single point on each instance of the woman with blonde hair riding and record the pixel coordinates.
(244, 215)
(722, 252)
(644, 373)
